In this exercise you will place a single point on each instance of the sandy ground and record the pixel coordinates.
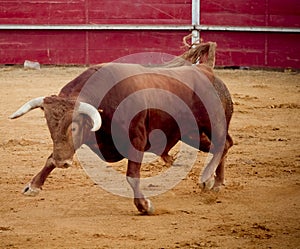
(258, 208)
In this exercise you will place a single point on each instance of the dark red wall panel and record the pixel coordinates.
(139, 12)
(88, 47)
(276, 13)
(77, 47)
(47, 47)
(105, 46)
(42, 12)
(283, 13)
(238, 49)
(254, 49)
(283, 50)
(95, 12)
(233, 13)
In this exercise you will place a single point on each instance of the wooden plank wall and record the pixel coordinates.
(250, 49)
(42, 12)
(140, 12)
(95, 12)
(89, 47)
(84, 47)
(268, 13)
(254, 49)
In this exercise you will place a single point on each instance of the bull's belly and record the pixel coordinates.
(201, 142)
(107, 153)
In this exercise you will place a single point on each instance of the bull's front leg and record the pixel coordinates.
(36, 183)
(135, 157)
(143, 204)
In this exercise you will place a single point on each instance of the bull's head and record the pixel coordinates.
(67, 122)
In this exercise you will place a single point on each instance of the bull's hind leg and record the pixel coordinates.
(35, 185)
(217, 178)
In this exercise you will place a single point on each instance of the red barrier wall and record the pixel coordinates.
(253, 49)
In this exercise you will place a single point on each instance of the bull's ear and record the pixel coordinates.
(30, 105)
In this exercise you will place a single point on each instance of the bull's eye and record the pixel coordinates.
(74, 128)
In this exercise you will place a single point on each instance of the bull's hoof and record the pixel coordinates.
(208, 185)
(212, 184)
(219, 184)
(150, 209)
(30, 191)
(145, 206)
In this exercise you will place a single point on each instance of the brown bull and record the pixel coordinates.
(187, 103)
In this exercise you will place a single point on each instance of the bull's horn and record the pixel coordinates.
(32, 104)
(93, 113)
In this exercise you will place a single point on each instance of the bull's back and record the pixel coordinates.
(73, 88)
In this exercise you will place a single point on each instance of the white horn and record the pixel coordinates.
(93, 113)
(32, 104)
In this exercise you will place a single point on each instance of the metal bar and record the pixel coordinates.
(247, 29)
(147, 27)
(94, 27)
(195, 12)
(87, 43)
(195, 19)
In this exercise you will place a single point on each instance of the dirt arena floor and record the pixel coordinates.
(258, 208)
